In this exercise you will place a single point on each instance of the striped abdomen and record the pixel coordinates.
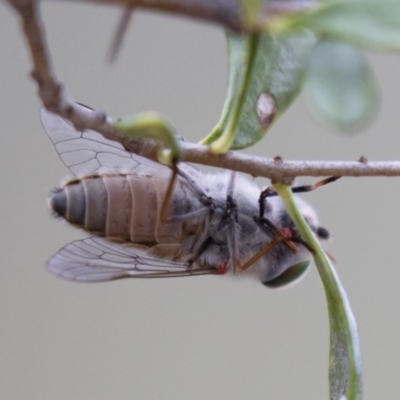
(124, 207)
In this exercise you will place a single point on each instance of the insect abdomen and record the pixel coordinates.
(124, 207)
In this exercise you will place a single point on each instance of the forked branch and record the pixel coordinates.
(54, 97)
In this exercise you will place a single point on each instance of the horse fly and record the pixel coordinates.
(216, 223)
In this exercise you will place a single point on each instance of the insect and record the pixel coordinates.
(216, 223)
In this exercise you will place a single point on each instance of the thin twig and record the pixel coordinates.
(279, 170)
(51, 91)
(119, 34)
(229, 14)
(54, 98)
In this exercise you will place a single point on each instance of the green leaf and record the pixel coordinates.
(265, 76)
(340, 87)
(345, 357)
(372, 24)
(151, 125)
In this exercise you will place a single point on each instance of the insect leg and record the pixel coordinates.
(192, 182)
(168, 194)
(278, 232)
(265, 221)
(203, 241)
(207, 201)
(262, 252)
(321, 232)
(309, 188)
(269, 192)
(229, 221)
(261, 200)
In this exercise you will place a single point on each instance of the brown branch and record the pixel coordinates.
(227, 13)
(52, 93)
(224, 12)
(280, 170)
(231, 14)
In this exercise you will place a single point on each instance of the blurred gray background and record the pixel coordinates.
(186, 338)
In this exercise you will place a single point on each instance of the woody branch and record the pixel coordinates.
(229, 13)
(54, 97)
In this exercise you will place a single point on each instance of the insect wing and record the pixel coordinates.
(85, 152)
(95, 259)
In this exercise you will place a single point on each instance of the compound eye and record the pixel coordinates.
(323, 233)
(292, 274)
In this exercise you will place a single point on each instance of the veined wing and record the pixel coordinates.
(85, 152)
(96, 259)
